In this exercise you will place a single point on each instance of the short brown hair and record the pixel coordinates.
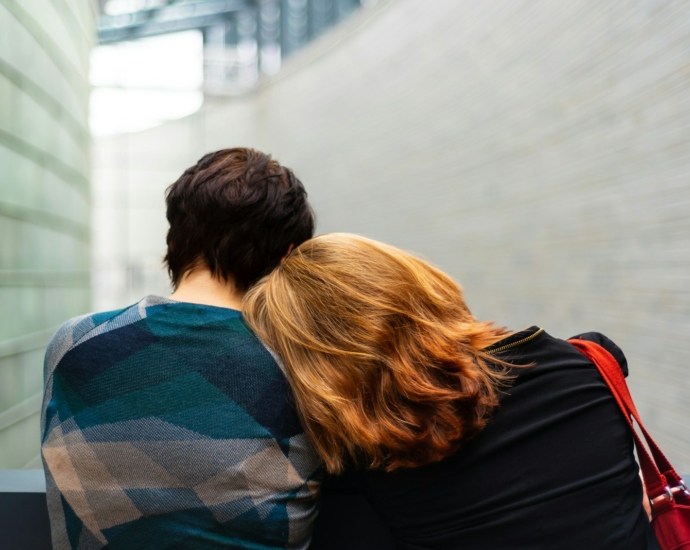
(236, 211)
(384, 356)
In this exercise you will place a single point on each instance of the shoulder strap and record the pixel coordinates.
(656, 469)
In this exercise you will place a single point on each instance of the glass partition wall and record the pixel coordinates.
(44, 201)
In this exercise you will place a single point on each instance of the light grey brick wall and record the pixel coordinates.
(537, 151)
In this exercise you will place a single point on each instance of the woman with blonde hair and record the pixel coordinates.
(459, 432)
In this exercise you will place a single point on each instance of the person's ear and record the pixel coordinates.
(290, 248)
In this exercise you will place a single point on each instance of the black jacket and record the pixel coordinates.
(554, 469)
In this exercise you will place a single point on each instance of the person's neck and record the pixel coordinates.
(199, 286)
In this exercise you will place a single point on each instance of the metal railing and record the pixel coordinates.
(23, 511)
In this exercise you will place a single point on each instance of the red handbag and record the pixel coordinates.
(668, 494)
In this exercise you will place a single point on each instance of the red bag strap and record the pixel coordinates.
(657, 472)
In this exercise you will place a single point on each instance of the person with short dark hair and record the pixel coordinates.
(235, 213)
(168, 424)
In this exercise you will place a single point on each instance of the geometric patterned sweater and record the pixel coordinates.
(168, 425)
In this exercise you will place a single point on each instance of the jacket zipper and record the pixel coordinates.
(515, 344)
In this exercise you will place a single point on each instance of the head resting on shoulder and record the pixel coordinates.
(384, 357)
(236, 212)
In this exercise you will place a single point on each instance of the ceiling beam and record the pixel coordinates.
(174, 17)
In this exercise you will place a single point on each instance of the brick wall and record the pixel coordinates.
(537, 151)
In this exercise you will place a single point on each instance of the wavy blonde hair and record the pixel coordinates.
(384, 357)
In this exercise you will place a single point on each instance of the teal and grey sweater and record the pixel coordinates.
(168, 425)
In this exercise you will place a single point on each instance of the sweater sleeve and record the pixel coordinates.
(609, 346)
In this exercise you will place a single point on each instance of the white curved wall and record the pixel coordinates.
(537, 151)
